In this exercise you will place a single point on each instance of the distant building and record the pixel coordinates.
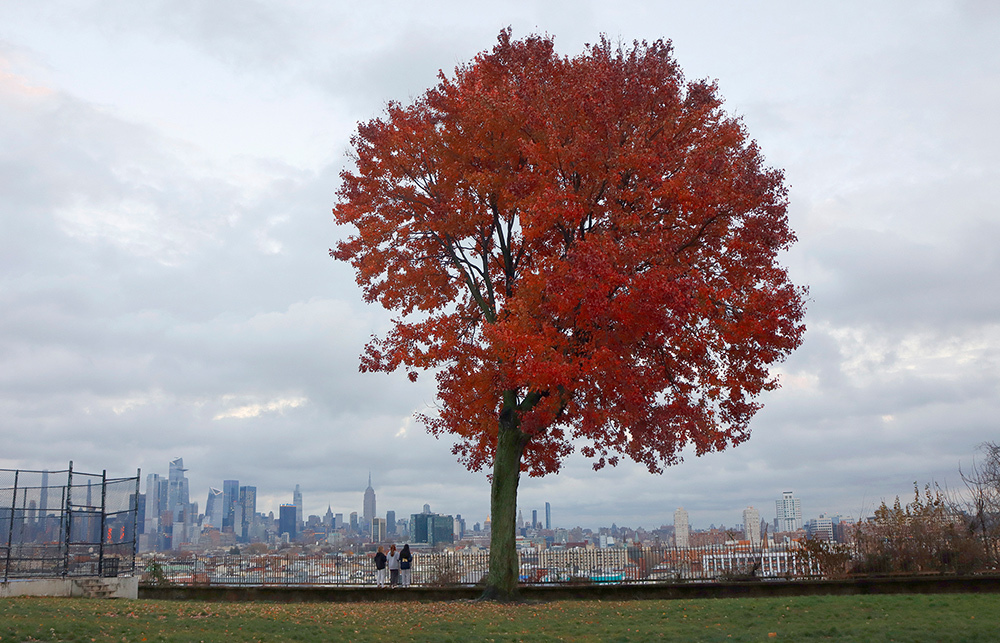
(214, 509)
(843, 528)
(183, 514)
(369, 512)
(287, 521)
(230, 498)
(390, 523)
(548, 516)
(751, 525)
(154, 509)
(248, 505)
(297, 501)
(788, 511)
(682, 528)
(432, 529)
(177, 489)
(378, 530)
(820, 528)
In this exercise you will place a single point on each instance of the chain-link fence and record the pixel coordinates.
(67, 523)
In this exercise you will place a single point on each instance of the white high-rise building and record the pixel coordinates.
(788, 511)
(682, 529)
(751, 525)
(297, 501)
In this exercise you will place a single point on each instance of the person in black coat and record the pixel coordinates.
(380, 567)
(405, 565)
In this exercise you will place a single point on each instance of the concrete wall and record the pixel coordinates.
(645, 591)
(84, 586)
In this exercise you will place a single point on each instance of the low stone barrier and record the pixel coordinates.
(638, 591)
(82, 586)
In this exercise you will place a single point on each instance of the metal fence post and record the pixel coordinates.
(69, 517)
(135, 520)
(100, 533)
(10, 527)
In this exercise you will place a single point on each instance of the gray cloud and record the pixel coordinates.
(165, 289)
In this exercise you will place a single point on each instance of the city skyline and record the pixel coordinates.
(541, 515)
(167, 175)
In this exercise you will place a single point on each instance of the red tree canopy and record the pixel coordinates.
(587, 242)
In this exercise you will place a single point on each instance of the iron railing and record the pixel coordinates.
(67, 523)
(636, 564)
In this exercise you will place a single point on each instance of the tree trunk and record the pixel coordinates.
(501, 583)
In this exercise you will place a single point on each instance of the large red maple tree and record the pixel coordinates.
(584, 252)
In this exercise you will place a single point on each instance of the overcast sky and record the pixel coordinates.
(167, 171)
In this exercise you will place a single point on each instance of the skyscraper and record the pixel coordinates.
(378, 530)
(152, 527)
(548, 516)
(177, 489)
(214, 508)
(287, 522)
(248, 504)
(788, 511)
(751, 525)
(682, 530)
(369, 512)
(43, 502)
(297, 501)
(230, 498)
(390, 523)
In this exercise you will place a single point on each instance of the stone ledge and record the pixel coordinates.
(650, 591)
(80, 586)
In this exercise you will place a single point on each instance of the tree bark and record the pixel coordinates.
(501, 583)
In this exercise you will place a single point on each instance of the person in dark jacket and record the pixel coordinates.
(405, 563)
(380, 567)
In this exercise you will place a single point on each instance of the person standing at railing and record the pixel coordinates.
(405, 563)
(380, 567)
(393, 562)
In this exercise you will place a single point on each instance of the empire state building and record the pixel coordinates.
(369, 509)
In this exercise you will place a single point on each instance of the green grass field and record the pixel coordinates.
(951, 617)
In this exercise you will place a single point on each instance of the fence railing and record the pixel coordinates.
(464, 567)
(66, 523)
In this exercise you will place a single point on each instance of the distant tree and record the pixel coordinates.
(583, 250)
(982, 481)
(257, 549)
(925, 535)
